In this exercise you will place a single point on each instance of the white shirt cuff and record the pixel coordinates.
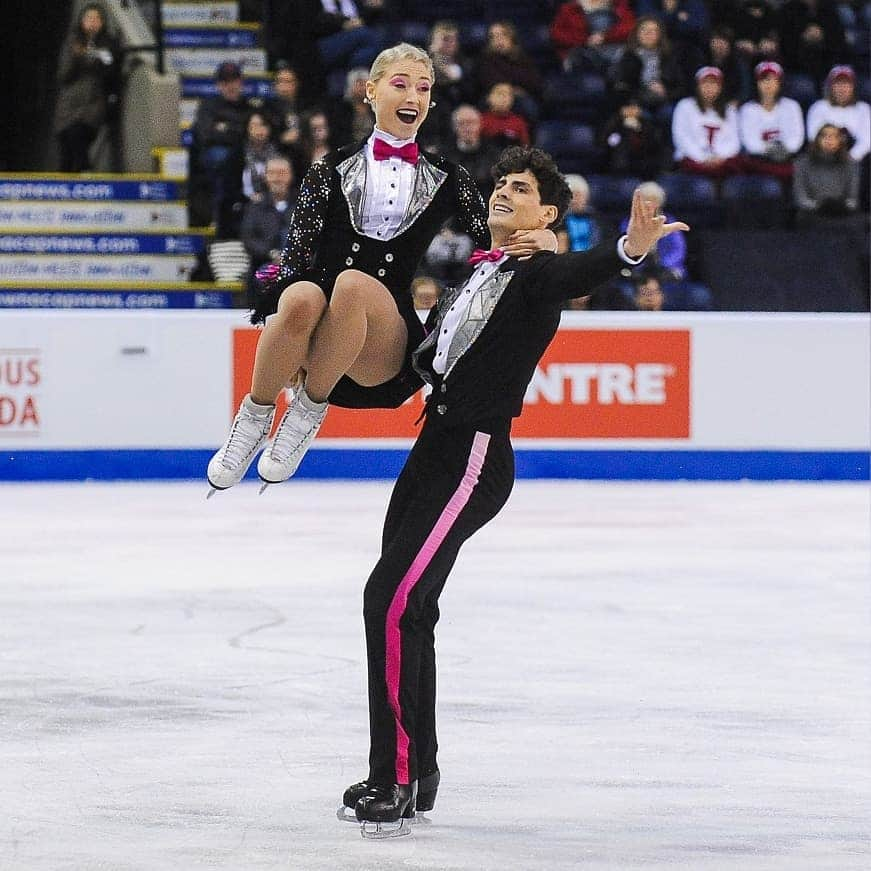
(621, 253)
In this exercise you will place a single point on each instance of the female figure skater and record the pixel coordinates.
(364, 218)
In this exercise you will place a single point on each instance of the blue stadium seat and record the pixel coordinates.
(521, 12)
(693, 199)
(800, 88)
(336, 83)
(609, 193)
(754, 202)
(685, 191)
(576, 97)
(573, 146)
(473, 35)
(751, 187)
(435, 10)
(414, 32)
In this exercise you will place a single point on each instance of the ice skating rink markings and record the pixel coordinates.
(631, 676)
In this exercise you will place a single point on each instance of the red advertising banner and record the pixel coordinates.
(601, 384)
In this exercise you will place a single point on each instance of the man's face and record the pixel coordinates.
(231, 90)
(278, 178)
(515, 204)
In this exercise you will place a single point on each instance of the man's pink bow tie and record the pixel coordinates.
(382, 151)
(479, 255)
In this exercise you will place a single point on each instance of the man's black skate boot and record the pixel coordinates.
(387, 804)
(427, 790)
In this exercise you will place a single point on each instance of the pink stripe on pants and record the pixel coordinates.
(400, 598)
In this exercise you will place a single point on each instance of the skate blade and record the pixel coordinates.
(373, 831)
(263, 487)
(419, 819)
(346, 815)
(211, 493)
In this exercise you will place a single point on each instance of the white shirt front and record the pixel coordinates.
(702, 135)
(855, 118)
(759, 127)
(389, 185)
(457, 312)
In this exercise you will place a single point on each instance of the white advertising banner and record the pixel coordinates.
(101, 269)
(92, 217)
(631, 383)
(176, 14)
(204, 61)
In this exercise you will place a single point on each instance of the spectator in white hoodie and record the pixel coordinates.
(772, 126)
(705, 130)
(841, 108)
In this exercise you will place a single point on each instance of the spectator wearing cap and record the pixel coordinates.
(704, 129)
(772, 126)
(219, 131)
(841, 108)
(811, 36)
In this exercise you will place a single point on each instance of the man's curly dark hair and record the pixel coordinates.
(552, 187)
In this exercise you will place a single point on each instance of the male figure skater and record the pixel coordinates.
(484, 342)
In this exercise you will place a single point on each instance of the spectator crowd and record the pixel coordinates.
(747, 99)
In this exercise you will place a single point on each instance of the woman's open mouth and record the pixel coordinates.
(407, 116)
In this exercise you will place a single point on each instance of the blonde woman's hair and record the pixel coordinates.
(403, 51)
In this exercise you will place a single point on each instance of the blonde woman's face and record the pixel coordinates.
(401, 98)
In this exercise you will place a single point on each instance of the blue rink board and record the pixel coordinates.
(88, 190)
(124, 465)
(213, 37)
(101, 243)
(47, 298)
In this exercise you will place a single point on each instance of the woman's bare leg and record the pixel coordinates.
(360, 334)
(284, 344)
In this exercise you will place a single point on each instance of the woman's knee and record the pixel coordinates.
(299, 309)
(354, 286)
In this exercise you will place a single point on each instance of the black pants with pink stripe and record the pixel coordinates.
(454, 481)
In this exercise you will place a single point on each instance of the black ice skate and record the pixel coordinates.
(386, 811)
(428, 787)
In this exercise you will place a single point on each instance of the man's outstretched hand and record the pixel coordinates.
(646, 228)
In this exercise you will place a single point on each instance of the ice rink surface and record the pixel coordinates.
(632, 676)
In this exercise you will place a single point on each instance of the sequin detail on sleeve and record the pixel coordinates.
(471, 211)
(307, 224)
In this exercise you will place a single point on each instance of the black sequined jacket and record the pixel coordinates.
(325, 236)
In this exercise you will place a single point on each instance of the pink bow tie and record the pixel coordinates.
(479, 254)
(382, 151)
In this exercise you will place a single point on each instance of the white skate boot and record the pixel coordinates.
(295, 433)
(247, 435)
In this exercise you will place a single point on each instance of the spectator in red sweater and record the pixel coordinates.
(499, 123)
(588, 34)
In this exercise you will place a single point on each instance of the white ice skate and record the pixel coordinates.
(295, 433)
(248, 434)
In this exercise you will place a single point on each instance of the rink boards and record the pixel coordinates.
(129, 395)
